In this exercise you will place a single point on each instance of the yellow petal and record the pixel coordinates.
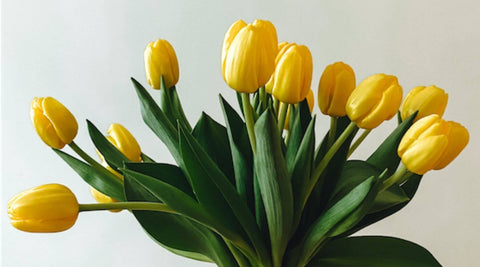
(458, 138)
(422, 155)
(62, 119)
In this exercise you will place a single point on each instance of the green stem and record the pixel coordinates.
(400, 176)
(93, 163)
(263, 97)
(333, 131)
(152, 206)
(282, 114)
(352, 127)
(358, 142)
(247, 110)
(276, 103)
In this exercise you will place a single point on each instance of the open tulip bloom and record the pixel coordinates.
(246, 192)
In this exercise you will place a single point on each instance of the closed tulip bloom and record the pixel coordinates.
(431, 144)
(426, 100)
(336, 85)
(44, 209)
(248, 55)
(374, 100)
(291, 80)
(161, 60)
(53, 122)
(124, 141)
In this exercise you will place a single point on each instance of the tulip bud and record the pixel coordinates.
(310, 102)
(431, 144)
(53, 122)
(248, 55)
(336, 85)
(426, 100)
(374, 100)
(124, 141)
(161, 60)
(291, 80)
(44, 209)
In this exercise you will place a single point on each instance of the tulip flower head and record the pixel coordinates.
(53, 122)
(291, 80)
(248, 55)
(44, 209)
(124, 141)
(336, 85)
(374, 100)
(426, 100)
(161, 60)
(431, 144)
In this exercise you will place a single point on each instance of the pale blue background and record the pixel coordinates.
(83, 53)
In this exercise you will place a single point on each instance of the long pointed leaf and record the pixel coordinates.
(158, 122)
(242, 157)
(176, 232)
(97, 179)
(112, 155)
(214, 139)
(216, 193)
(274, 183)
(373, 251)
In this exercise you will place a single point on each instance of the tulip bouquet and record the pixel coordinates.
(258, 190)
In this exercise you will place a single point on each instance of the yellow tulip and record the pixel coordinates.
(248, 55)
(310, 102)
(291, 80)
(374, 100)
(336, 85)
(44, 209)
(124, 141)
(161, 60)
(426, 100)
(431, 144)
(53, 122)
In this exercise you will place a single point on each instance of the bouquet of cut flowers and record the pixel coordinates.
(258, 189)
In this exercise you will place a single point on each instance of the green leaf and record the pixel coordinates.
(388, 198)
(98, 179)
(299, 121)
(341, 209)
(373, 251)
(274, 184)
(112, 155)
(410, 187)
(216, 194)
(171, 105)
(242, 157)
(386, 157)
(327, 182)
(176, 232)
(158, 122)
(302, 170)
(167, 173)
(213, 138)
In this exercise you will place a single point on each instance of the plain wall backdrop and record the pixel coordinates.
(84, 52)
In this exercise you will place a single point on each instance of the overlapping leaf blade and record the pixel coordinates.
(213, 138)
(274, 184)
(217, 195)
(112, 155)
(158, 122)
(373, 251)
(173, 231)
(242, 157)
(98, 179)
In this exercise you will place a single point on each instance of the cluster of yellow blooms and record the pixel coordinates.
(253, 59)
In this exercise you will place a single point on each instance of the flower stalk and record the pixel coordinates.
(247, 110)
(151, 206)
